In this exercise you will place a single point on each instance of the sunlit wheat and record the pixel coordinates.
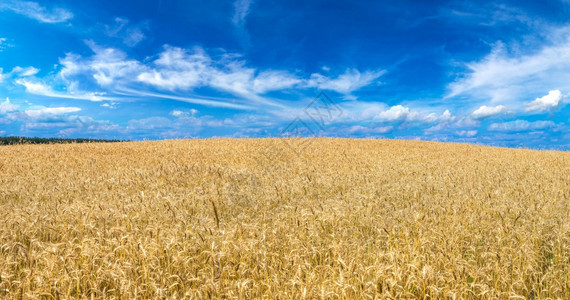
(247, 218)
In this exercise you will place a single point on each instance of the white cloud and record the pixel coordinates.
(506, 75)
(110, 105)
(241, 9)
(66, 125)
(181, 113)
(2, 44)
(130, 35)
(346, 83)
(548, 102)
(369, 130)
(467, 133)
(50, 112)
(403, 113)
(521, 125)
(24, 72)
(6, 107)
(488, 111)
(38, 88)
(177, 113)
(195, 100)
(446, 116)
(36, 11)
(273, 80)
(18, 72)
(488, 14)
(177, 70)
(107, 65)
(396, 113)
(180, 69)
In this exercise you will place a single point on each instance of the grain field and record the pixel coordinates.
(249, 218)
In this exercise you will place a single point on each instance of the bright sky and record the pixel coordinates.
(496, 73)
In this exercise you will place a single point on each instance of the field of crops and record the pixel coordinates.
(249, 218)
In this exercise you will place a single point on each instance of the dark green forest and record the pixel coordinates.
(18, 140)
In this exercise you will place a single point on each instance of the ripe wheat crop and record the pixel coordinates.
(249, 218)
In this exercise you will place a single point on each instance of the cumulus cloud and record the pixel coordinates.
(446, 116)
(400, 113)
(467, 133)
(110, 105)
(183, 113)
(488, 111)
(521, 125)
(62, 120)
(35, 11)
(548, 102)
(6, 107)
(68, 125)
(397, 113)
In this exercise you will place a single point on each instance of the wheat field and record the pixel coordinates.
(249, 218)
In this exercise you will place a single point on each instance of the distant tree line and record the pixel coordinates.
(17, 140)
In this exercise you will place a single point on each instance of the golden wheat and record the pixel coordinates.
(248, 218)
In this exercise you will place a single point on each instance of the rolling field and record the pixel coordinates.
(248, 218)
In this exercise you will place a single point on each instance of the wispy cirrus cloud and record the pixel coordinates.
(37, 12)
(506, 76)
(106, 66)
(42, 89)
(241, 9)
(200, 100)
(176, 72)
(346, 83)
(521, 125)
(130, 34)
(18, 72)
(487, 14)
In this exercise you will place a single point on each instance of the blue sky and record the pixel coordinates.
(496, 73)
